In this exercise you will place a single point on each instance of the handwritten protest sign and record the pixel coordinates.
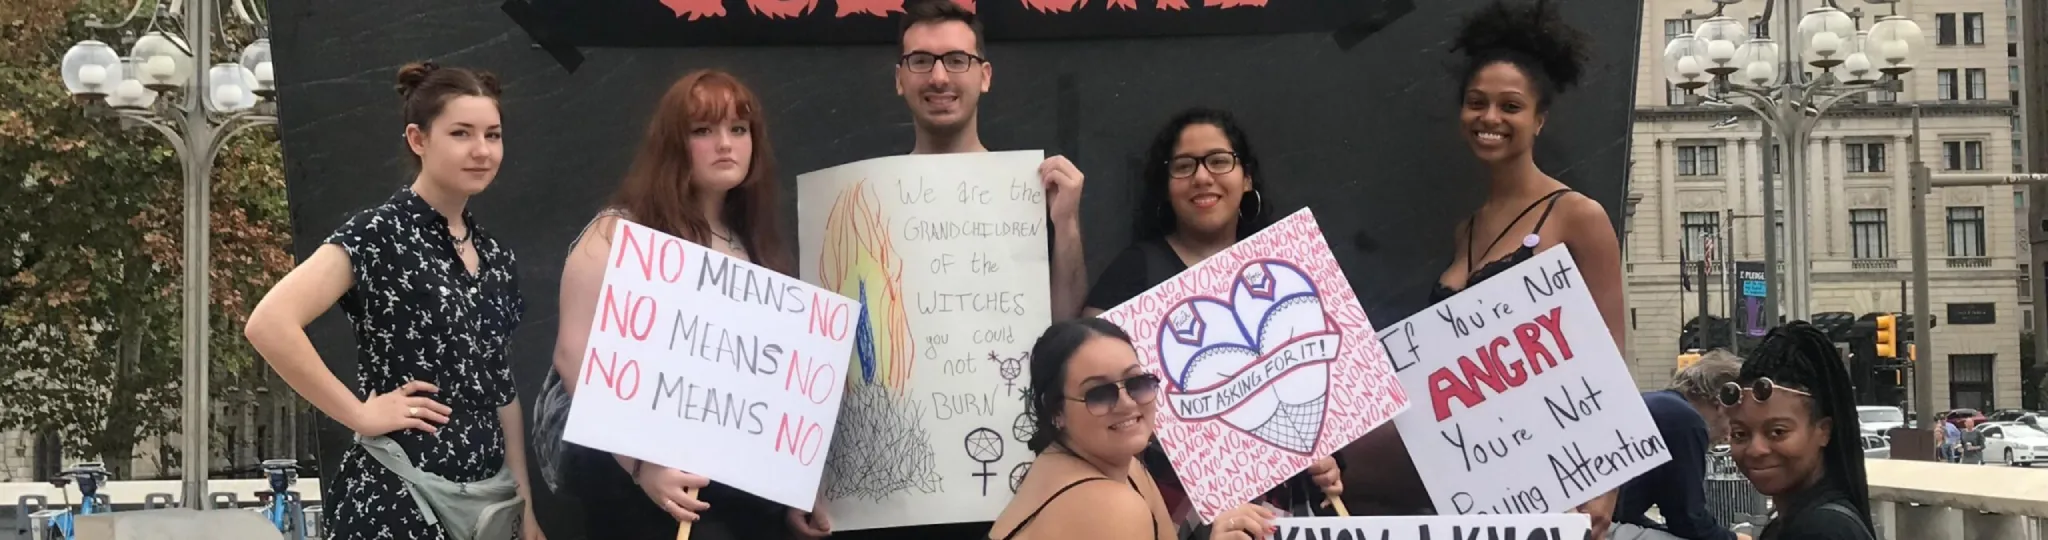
(1498, 527)
(1531, 408)
(1269, 363)
(713, 365)
(948, 255)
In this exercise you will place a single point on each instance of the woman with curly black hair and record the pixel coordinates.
(1792, 430)
(1519, 56)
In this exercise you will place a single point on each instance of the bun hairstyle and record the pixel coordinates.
(1533, 37)
(1049, 357)
(1800, 356)
(425, 89)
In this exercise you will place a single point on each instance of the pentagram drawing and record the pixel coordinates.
(1022, 429)
(1017, 476)
(1009, 368)
(984, 446)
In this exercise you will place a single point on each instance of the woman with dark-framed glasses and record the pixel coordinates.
(1092, 406)
(1198, 195)
(1793, 433)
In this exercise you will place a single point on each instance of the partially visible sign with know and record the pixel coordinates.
(1501, 527)
(1530, 407)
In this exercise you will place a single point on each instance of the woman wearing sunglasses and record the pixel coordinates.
(1198, 196)
(1793, 433)
(1092, 406)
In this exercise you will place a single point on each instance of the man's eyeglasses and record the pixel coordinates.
(922, 62)
(1103, 397)
(1218, 162)
(1761, 390)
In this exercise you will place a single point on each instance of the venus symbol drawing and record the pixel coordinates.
(1258, 361)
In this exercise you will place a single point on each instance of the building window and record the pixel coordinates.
(1864, 157)
(2018, 150)
(1778, 227)
(1945, 84)
(1673, 95)
(1699, 160)
(2026, 288)
(1698, 227)
(1776, 159)
(1946, 28)
(1969, 381)
(2012, 28)
(1962, 155)
(1973, 28)
(1966, 231)
(1975, 77)
(2026, 319)
(1867, 227)
(1673, 28)
(1884, 96)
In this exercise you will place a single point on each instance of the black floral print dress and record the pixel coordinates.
(419, 314)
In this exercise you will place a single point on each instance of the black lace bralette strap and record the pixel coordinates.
(1473, 222)
(1552, 197)
(1056, 495)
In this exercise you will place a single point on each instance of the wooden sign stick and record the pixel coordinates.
(683, 531)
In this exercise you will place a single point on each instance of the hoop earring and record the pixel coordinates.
(1258, 205)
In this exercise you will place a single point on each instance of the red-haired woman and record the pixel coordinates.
(703, 173)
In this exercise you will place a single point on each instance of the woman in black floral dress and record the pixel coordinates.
(433, 299)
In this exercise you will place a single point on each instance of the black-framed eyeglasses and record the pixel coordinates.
(1760, 390)
(1218, 162)
(1101, 398)
(956, 61)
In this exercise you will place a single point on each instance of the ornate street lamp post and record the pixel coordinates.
(161, 84)
(1775, 86)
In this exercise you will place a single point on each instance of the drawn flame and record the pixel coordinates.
(695, 9)
(1053, 6)
(859, 261)
(782, 9)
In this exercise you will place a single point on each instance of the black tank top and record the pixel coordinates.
(1490, 269)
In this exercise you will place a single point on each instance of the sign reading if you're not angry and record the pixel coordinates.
(1530, 407)
(713, 365)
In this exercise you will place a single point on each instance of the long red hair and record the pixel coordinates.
(657, 191)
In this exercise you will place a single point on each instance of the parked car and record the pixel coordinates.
(1879, 419)
(1876, 446)
(2021, 443)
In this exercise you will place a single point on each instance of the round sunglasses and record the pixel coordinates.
(1759, 390)
(1142, 388)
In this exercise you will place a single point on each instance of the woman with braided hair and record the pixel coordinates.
(1793, 433)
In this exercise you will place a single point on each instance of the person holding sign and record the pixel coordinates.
(1793, 433)
(941, 75)
(1092, 406)
(1198, 198)
(703, 173)
(433, 299)
(1519, 56)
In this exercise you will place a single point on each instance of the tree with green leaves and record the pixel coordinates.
(91, 251)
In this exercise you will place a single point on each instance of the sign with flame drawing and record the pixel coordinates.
(683, 23)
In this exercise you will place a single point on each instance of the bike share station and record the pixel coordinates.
(49, 513)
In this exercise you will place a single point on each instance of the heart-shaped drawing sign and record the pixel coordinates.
(1259, 362)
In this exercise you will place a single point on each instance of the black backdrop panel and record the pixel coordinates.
(641, 23)
(1366, 136)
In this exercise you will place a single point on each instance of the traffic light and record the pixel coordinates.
(1887, 336)
(1687, 359)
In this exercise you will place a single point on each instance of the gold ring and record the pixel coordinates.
(412, 412)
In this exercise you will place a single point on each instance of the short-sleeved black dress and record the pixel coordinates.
(418, 313)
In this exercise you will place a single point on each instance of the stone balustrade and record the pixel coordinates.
(1927, 500)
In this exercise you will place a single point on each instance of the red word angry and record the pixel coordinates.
(1469, 383)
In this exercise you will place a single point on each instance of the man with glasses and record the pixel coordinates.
(941, 75)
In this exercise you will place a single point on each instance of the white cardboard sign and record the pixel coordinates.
(1524, 404)
(713, 365)
(948, 255)
(1497, 527)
